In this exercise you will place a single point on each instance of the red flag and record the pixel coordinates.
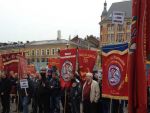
(10, 62)
(148, 28)
(1, 63)
(67, 66)
(136, 66)
(22, 65)
(87, 60)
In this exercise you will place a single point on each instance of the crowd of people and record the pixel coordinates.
(46, 95)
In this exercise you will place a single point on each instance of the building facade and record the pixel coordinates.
(115, 33)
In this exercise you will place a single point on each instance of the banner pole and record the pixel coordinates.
(110, 106)
(65, 100)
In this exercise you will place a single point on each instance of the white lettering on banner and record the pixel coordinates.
(68, 56)
(118, 17)
(24, 83)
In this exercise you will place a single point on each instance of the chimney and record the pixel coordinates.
(58, 35)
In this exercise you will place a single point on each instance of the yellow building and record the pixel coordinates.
(115, 33)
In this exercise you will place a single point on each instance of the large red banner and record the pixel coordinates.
(10, 62)
(87, 60)
(114, 66)
(136, 70)
(67, 66)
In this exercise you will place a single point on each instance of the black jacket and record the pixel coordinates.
(5, 86)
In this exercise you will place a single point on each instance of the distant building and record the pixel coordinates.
(115, 33)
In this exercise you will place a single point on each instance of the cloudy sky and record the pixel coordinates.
(22, 20)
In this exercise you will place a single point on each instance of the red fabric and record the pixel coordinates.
(86, 92)
(10, 62)
(22, 66)
(1, 63)
(137, 75)
(115, 83)
(67, 66)
(148, 28)
(87, 60)
(54, 62)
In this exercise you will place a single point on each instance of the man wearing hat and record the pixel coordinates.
(90, 94)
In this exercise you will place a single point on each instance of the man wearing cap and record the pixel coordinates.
(90, 94)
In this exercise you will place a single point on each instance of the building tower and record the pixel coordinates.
(104, 13)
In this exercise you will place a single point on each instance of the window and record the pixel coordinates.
(128, 25)
(110, 27)
(120, 28)
(42, 52)
(38, 60)
(28, 60)
(32, 53)
(47, 52)
(43, 60)
(28, 53)
(110, 37)
(33, 60)
(119, 37)
(128, 36)
(37, 52)
(53, 51)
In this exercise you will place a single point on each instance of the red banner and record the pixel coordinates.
(22, 66)
(67, 66)
(87, 60)
(148, 28)
(10, 62)
(1, 63)
(137, 76)
(54, 62)
(114, 66)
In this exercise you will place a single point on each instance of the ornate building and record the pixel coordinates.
(115, 33)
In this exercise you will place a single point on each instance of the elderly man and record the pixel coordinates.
(90, 94)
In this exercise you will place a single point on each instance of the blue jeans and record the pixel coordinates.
(25, 101)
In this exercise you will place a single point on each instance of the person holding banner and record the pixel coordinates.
(25, 92)
(90, 94)
(5, 87)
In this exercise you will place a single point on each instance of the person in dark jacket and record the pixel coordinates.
(75, 95)
(35, 82)
(55, 93)
(5, 88)
(43, 93)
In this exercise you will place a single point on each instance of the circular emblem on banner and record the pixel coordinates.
(114, 75)
(67, 71)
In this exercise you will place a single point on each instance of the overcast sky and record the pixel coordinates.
(22, 20)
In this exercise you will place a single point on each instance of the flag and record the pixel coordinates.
(10, 62)
(87, 60)
(22, 66)
(114, 66)
(136, 63)
(148, 28)
(67, 66)
(1, 63)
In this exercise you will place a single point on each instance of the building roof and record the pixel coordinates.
(125, 6)
(45, 42)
